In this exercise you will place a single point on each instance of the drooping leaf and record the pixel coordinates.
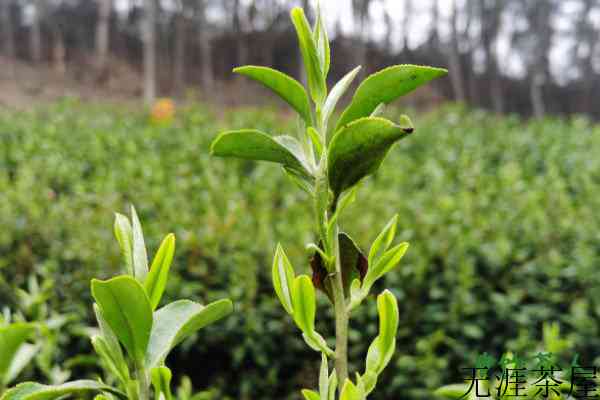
(12, 337)
(37, 391)
(178, 320)
(358, 150)
(140, 257)
(251, 144)
(316, 81)
(126, 308)
(156, 280)
(283, 278)
(304, 302)
(337, 92)
(384, 239)
(20, 360)
(124, 236)
(310, 395)
(354, 266)
(386, 86)
(161, 380)
(286, 87)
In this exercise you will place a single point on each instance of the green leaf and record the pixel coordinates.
(159, 271)
(140, 257)
(370, 381)
(358, 150)
(126, 308)
(102, 349)
(454, 391)
(161, 380)
(384, 239)
(178, 320)
(333, 383)
(384, 264)
(316, 81)
(289, 89)
(283, 278)
(386, 86)
(315, 139)
(124, 236)
(251, 144)
(316, 342)
(383, 347)
(12, 337)
(351, 392)
(336, 94)
(20, 360)
(322, 43)
(324, 377)
(310, 394)
(37, 391)
(113, 349)
(304, 302)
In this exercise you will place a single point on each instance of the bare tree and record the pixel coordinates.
(35, 39)
(149, 40)
(406, 19)
(456, 70)
(179, 56)
(8, 36)
(205, 43)
(490, 17)
(102, 39)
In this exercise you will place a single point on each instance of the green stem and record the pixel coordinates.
(341, 317)
(143, 384)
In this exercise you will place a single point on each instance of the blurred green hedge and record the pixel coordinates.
(503, 217)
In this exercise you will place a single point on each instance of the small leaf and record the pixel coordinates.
(37, 391)
(310, 394)
(101, 347)
(140, 257)
(333, 383)
(316, 81)
(113, 348)
(336, 94)
(316, 342)
(322, 43)
(126, 308)
(386, 86)
(358, 150)
(124, 236)
(324, 377)
(251, 144)
(283, 278)
(304, 302)
(315, 139)
(354, 266)
(159, 271)
(370, 381)
(161, 380)
(20, 360)
(384, 264)
(454, 391)
(384, 239)
(351, 392)
(178, 320)
(286, 87)
(12, 337)
(381, 350)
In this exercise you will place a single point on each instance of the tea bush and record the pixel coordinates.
(501, 215)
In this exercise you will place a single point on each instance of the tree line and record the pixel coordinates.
(524, 56)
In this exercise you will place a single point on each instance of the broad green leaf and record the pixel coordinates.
(304, 302)
(370, 381)
(358, 150)
(384, 264)
(124, 236)
(454, 391)
(20, 360)
(310, 394)
(316, 81)
(386, 86)
(126, 308)
(161, 380)
(324, 377)
(351, 392)
(37, 391)
(251, 144)
(178, 320)
(336, 94)
(156, 280)
(322, 43)
(283, 278)
(289, 89)
(384, 239)
(381, 350)
(113, 348)
(12, 337)
(140, 257)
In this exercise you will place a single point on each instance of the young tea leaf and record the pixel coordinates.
(37, 391)
(304, 301)
(126, 308)
(310, 395)
(156, 280)
(161, 380)
(336, 94)
(124, 236)
(384, 87)
(286, 87)
(384, 239)
(12, 337)
(283, 278)
(351, 392)
(140, 257)
(358, 150)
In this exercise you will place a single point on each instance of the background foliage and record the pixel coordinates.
(501, 215)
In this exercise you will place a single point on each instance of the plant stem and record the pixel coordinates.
(143, 385)
(341, 317)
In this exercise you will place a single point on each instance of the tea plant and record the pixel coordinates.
(129, 319)
(328, 160)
